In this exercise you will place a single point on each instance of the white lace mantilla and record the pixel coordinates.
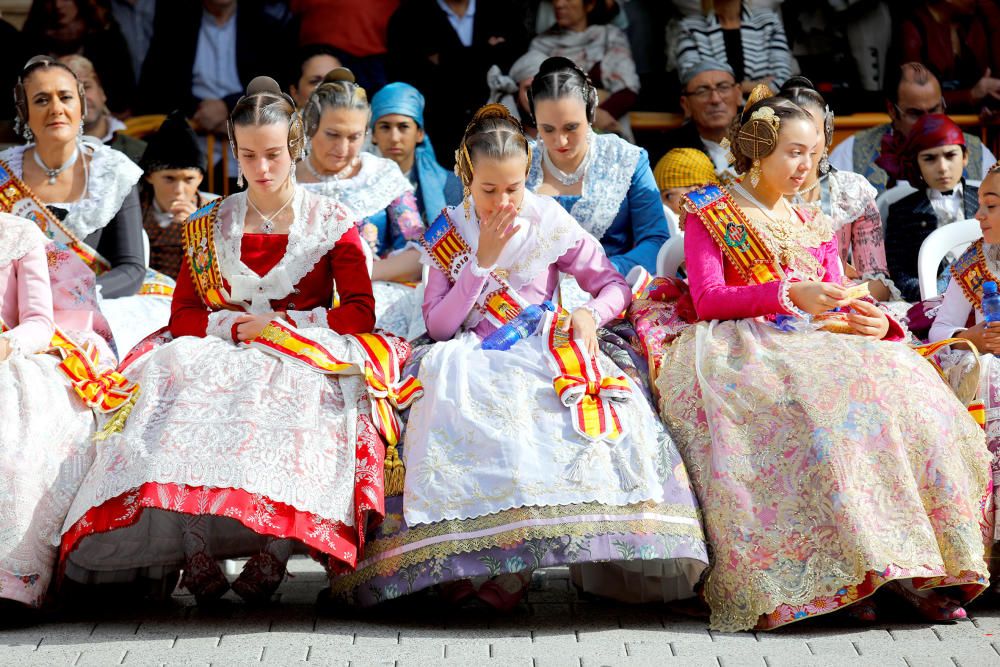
(849, 195)
(111, 177)
(17, 237)
(376, 185)
(547, 232)
(605, 185)
(319, 223)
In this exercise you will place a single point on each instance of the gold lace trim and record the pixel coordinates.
(392, 564)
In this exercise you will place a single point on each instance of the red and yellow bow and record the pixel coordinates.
(582, 387)
(104, 391)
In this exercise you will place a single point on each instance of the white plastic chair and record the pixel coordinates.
(897, 192)
(673, 223)
(890, 197)
(671, 255)
(955, 237)
(145, 248)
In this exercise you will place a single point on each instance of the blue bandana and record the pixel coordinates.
(404, 99)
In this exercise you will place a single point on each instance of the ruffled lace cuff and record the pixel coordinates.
(894, 293)
(221, 323)
(305, 319)
(594, 312)
(786, 301)
(15, 345)
(479, 271)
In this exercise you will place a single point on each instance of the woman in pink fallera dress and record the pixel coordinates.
(46, 427)
(820, 474)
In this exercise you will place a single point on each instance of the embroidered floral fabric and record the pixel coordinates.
(820, 476)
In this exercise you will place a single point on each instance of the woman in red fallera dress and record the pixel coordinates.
(239, 443)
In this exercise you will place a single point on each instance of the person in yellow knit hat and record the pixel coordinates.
(680, 171)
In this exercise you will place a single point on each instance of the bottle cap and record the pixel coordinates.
(548, 305)
(989, 287)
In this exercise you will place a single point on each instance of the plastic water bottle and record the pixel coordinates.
(522, 326)
(991, 302)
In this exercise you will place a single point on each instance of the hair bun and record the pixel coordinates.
(494, 110)
(35, 60)
(797, 82)
(340, 74)
(263, 85)
(557, 63)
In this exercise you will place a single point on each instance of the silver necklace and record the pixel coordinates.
(560, 175)
(339, 176)
(53, 174)
(267, 226)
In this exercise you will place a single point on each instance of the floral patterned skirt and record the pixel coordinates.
(488, 448)
(262, 446)
(45, 451)
(826, 466)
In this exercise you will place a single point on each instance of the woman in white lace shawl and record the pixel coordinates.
(92, 188)
(847, 198)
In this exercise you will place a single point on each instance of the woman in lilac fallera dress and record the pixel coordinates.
(499, 480)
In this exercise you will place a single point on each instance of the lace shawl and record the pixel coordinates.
(547, 233)
(111, 176)
(605, 185)
(18, 236)
(319, 223)
(376, 185)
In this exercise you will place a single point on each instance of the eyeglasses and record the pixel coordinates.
(915, 114)
(704, 92)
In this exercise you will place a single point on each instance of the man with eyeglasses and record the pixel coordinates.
(910, 91)
(710, 98)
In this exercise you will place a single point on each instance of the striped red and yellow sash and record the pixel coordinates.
(970, 271)
(17, 199)
(103, 391)
(499, 302)
(735, 235)
(382, 368)
(199, 247)
(581, 387)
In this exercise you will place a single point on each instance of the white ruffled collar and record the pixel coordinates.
(111, 177)
(547, 232)
(605, 184)
(372, 189)
(18, 236)
(318, 224)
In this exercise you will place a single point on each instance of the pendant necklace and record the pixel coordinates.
(267, 226)
(53, 174)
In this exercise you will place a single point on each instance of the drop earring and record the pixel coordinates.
(467, 201)
(824, 162)
(755, 173)
(239, 177)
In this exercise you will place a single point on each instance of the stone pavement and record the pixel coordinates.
(555, 627)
